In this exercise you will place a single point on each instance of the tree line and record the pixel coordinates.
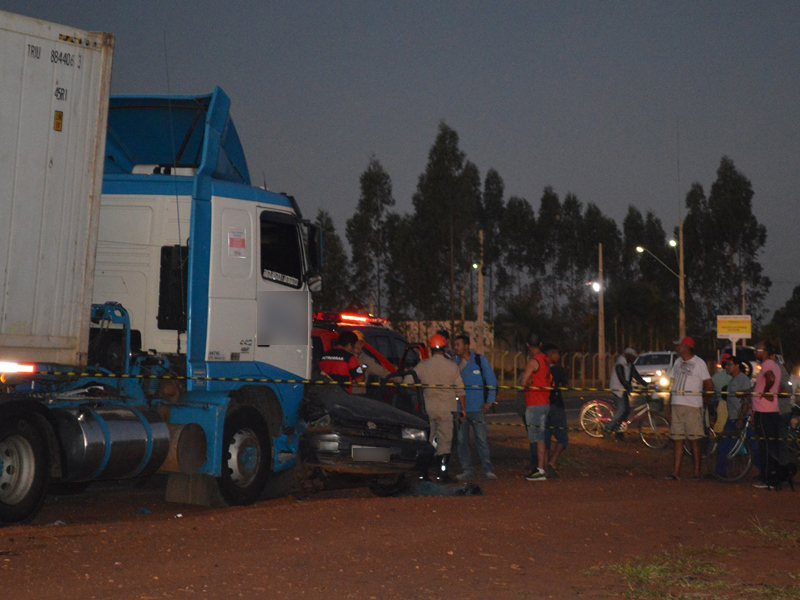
(537, 261)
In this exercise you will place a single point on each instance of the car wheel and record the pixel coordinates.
(24, 471)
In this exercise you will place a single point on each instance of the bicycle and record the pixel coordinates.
(653, 428)
(738, 459)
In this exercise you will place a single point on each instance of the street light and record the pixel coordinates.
(680, 275)
(641, 249)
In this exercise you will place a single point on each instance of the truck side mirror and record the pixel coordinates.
(314, 281)
(314, 234)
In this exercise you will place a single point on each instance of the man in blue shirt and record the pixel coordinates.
(480, 384)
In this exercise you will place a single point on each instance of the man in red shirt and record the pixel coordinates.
(340, 364)
(537, 382)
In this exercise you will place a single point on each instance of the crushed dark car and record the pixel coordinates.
(382, 442)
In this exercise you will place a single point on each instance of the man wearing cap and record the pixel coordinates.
(621, 377)
(691, 387)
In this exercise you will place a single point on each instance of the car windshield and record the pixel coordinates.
(646, 360)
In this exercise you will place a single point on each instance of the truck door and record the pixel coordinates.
(283, 331)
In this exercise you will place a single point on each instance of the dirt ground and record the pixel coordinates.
(610, 526)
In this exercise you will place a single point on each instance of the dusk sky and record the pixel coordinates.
(619, 103)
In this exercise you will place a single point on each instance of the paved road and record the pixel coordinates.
(506, 411)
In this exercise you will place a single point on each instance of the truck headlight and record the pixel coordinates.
(414, 434)
(664, 382)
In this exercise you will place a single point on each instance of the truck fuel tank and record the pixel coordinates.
(112, 442)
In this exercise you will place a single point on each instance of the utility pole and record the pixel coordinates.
(681, 285)
(601, 321)
(480, 325)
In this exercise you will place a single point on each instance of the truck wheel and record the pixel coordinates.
(24, 471)
(246, 458)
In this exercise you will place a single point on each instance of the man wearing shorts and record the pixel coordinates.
(537, 383)
(691, 386)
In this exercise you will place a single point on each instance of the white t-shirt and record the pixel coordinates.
(687, 381)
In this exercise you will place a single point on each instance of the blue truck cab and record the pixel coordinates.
(200, 322)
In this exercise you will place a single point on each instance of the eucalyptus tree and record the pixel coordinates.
(722, 241)
(335, 293)
(366, 233)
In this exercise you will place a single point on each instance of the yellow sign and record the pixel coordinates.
(734, 325)
(58, 121)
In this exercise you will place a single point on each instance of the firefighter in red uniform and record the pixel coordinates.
(340, 364)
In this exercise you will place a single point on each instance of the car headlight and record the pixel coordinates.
(414, 434)
(321, 423)
(664, 382)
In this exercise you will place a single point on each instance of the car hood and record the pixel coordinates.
(347, 408)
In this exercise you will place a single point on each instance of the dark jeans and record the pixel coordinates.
(767, 428)
(621, 411)
(556, 426)
(477, 421)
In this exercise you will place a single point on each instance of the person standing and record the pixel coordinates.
(374, 372)
(720, 379)
(621, 377)
(784, 410)
(766, 417)
(557, 415)
(480, 384)
(691, 385)
(737, 403)
(446, 386)
(340, 364)
(537, 383)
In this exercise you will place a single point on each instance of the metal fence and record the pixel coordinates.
(581, 367)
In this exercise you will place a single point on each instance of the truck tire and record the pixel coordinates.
(246, 458)
(24, 470)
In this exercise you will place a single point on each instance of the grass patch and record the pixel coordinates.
(688, 573)
(670, 574)
(785, 534)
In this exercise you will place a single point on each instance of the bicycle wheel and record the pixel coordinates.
(737, 463)
(654, 431)
(708, 444)
(595, 415)
(793, 442)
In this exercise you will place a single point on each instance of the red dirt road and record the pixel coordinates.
(517, 540)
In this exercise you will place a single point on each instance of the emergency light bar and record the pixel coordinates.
(349, 318)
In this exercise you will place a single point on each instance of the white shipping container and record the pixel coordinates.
(53, 116)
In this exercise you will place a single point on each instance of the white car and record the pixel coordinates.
(656, 367)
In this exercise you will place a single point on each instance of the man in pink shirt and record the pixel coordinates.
(766, 420)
